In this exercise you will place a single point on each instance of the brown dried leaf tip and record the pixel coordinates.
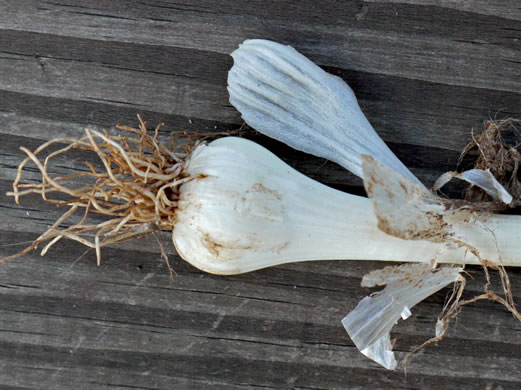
(500, 156)
(136, 190)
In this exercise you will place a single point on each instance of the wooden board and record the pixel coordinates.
(425, 72)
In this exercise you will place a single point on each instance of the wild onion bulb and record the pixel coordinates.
(235, 207)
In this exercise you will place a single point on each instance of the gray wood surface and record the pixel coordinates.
(425, 72)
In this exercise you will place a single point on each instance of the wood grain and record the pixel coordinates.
(425, 73)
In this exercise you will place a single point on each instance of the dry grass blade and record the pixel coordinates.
(137, 191)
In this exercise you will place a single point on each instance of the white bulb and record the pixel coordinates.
(246, 209)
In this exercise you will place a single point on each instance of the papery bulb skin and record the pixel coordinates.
(246, 209)
(284, 95)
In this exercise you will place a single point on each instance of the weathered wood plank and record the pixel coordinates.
(108, 85)
(116, 304)
(338, 40)
(425, 72)
(499, 8)
(164, 326)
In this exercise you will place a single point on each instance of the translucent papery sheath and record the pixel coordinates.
(483, 179)
(371, 321)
